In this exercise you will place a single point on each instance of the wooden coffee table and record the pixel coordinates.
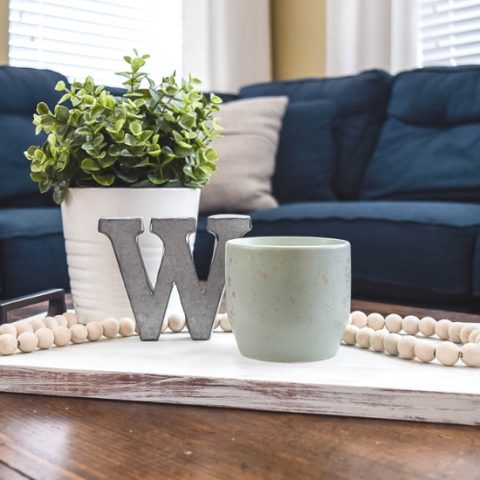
(48, 437)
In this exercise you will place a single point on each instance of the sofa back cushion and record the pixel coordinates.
(20, 91)
(429, 147)
(360, 102)
(305, 160)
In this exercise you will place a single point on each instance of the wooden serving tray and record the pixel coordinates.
(178, 370)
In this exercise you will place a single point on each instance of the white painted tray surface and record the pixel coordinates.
(178, 370)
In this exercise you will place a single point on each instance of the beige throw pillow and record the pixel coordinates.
(246, 156)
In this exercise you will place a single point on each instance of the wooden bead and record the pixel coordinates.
(79, 333)
(8, 328)
(441, 329)
(427, 326)
(37, 324)
(61, 320)
(71, 318)
(406, 347)
(471, 354)
(454, 332)
(447, 353)
(176, 322)
(410, 324)
(94, 331)
(472, 338)
(110, 327)
(22, 327)
(425, 350)
(126, 327)
(466, 331)
(391, 343)
(61, 336)
(358, 318)
(393, 322)
(8, 343)
(375, 321)
(363, 337)
(225, 322)
(50, 323)
(27, 342)
(45, 338)
(377, 339)
(349, 334)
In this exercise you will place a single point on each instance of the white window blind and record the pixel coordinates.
(449, 32)
(90, 37)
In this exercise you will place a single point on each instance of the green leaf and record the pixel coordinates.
(89, 165)
(60, 86)
(135, 128)
(105, 180)
(42, 108)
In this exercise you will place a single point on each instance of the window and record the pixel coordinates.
(90, 37)
(449, 32)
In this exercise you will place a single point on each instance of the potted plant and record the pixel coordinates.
(144, 154)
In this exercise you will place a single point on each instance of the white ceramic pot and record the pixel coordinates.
(97, 287)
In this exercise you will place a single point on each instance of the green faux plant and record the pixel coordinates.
(154, 135)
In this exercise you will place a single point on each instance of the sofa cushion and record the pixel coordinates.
(20, 91)
(32, 251)
(429, 147)
(420, 251)
(361, 102)
(246, 152)
(306, 153)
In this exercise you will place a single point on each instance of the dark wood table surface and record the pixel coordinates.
(49, 438)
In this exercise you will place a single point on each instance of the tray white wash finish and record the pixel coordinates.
(178, 370)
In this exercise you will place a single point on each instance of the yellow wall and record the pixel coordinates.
(3, 32)
(298, 38)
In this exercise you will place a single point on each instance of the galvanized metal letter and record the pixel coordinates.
(149, 303)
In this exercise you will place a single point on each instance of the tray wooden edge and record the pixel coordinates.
(358, 401)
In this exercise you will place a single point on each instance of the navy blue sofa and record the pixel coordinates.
(391, 164)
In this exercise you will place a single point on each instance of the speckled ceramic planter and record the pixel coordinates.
(288, 298)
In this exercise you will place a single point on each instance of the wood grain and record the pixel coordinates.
(48, 438)
(55, 438)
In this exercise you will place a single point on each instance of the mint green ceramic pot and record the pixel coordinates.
(288, 298)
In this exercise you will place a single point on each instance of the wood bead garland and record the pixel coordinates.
(470, 354)
(50, 323)
(176, 322)
(447, 353)
(409, 347)
(375, 321)
(27, 342)
(23, 326)
(224, 322)
(110, 327)
(8, 344)
(424, 350)
(377, 340)
(359, 319)
(8, 328)
(441, 329)
(363, 335)
(94, 331)
(126, 327)
(373, 332)
(79, 333)
(410, 324)
(393, 322)
(406, 347)
(45, 338)
(61, 336)
(427, 326)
